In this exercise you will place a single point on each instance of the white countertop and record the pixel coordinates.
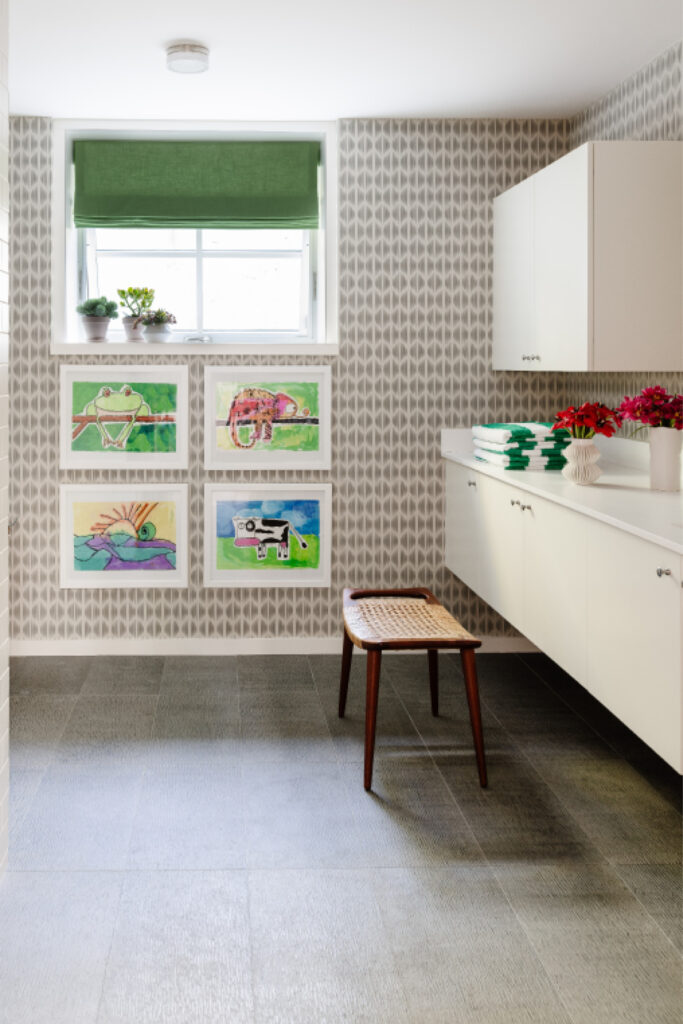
(620, 497)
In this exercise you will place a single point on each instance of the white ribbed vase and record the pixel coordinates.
(582, 456)
(665, 458)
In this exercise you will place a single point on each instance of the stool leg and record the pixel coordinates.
(433, 657)
(347, 651)
(374, 663)
(472, 689)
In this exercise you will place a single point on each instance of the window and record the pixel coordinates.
(245, 262)
(218, 283)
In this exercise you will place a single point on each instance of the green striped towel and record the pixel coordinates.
(522, 447)
(537, 462)
(502, 432)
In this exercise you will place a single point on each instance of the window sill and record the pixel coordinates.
(145, 348)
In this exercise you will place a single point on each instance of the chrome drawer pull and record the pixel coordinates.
(663, 572)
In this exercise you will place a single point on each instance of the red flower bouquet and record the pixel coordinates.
(653, 407)
(589, 419)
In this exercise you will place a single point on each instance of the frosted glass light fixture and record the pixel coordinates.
(187, 58)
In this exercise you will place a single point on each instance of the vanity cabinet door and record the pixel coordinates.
(633, 601)
(555, 551)
(463, 524)
(501, 566)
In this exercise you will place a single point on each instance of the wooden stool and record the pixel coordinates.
(391, 620)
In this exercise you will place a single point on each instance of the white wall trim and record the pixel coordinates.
(109, 646)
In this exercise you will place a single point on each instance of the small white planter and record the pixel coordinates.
(582, 456)
(95, 327)
(665, 458)
(133, 328)
(157, 332)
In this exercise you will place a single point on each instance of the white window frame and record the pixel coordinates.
(66, 336)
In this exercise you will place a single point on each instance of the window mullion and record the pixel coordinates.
(199, 277)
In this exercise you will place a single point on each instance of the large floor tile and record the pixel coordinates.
(272, 672)
(626, 819)
(180, 951)
(55, 933)
(123, 676)
(189, 819)
(37, 724)
(108, 730)
(518, 817)
(195, 733)
(23, 786)
(606, 957)
(284, 726)
(493, 978)
(658, 887)
(409, 818)
(80, 818)
(53, 676)
(200, 678)
(301, 816)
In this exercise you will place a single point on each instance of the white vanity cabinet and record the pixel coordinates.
(603, 601)
(635, 608)
(588, 262)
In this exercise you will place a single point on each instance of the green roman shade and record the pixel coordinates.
(123, 183)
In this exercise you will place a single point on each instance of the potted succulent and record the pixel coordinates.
(95, 317)
(137, 301)
(156, 323)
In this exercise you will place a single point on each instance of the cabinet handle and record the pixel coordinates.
(513, 502)
(471, 483)
(524, 508)
(663, 572)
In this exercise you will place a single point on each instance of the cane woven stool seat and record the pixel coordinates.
(411, 619)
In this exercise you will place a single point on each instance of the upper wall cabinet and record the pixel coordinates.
(587, 271)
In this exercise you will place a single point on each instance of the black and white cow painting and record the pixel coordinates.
(254, 531)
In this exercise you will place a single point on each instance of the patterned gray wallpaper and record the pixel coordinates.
(415, 328)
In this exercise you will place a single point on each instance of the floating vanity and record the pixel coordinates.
(592, 575)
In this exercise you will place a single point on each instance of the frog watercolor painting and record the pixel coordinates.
(124, 536)
(121, 416)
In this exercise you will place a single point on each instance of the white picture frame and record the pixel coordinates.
(91, 436)
(262, 558)
(299, 439)
(124, 520)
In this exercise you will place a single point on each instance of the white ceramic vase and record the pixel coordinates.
(582, 456)
(665, 458)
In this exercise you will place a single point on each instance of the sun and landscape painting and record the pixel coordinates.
(119, 538)
(267, 417)
(123, 416)
(268, 535)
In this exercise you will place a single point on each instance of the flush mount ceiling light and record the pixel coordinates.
(187, 58)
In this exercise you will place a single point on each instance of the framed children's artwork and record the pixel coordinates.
(267, 535)
(123, 535)
(267, 417)
(123, 417)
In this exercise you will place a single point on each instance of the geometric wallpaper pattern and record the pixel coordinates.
(415, 337)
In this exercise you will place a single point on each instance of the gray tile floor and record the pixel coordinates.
(191, 842)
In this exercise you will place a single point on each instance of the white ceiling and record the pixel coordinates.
(302, 59)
